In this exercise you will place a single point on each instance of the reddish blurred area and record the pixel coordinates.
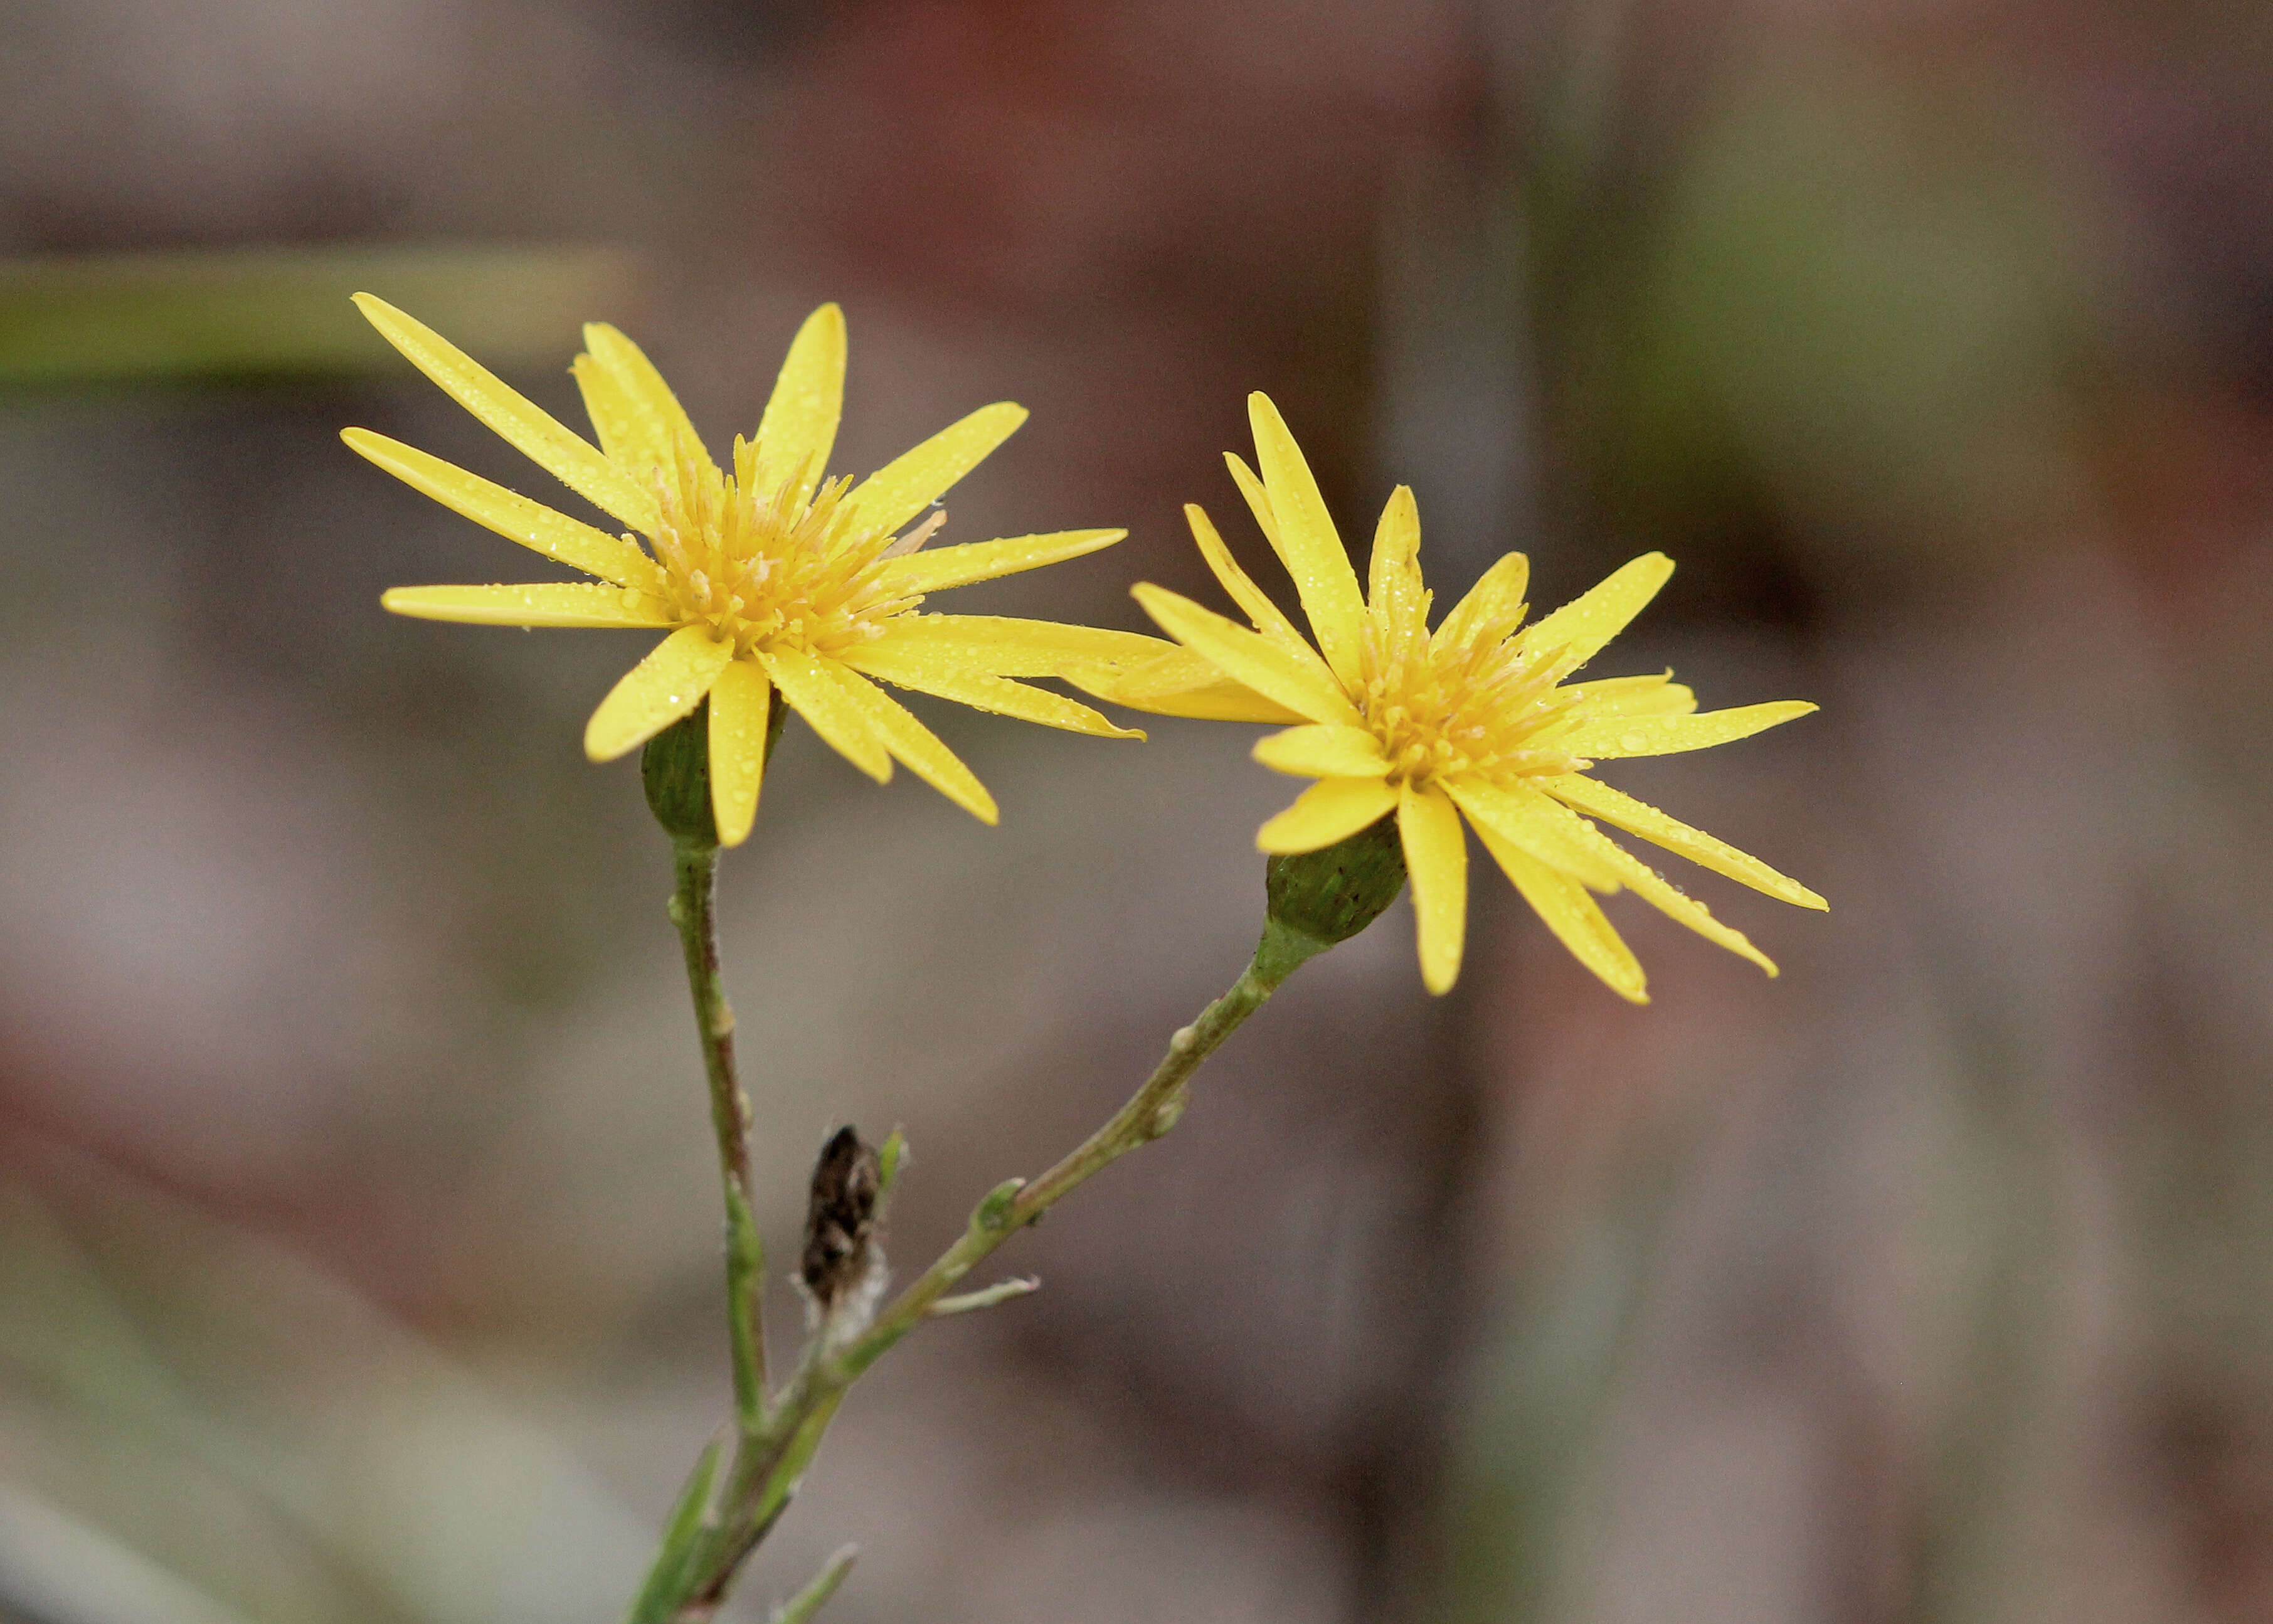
(356, 1250)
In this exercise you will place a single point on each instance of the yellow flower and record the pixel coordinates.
(769, 576)
(1476, 719)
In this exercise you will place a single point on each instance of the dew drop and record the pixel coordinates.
(1632, 741)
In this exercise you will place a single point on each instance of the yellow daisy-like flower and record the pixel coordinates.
(1476, 719)
(769, 577)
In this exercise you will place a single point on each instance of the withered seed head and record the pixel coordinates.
(840, 1220)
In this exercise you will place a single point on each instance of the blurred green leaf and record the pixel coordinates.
(284, 312)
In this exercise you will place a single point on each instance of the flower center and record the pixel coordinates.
(1468, 709)
(763, 567)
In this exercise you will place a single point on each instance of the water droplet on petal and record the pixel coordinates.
(1632, 740)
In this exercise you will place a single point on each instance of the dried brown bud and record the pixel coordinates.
(840, 1222)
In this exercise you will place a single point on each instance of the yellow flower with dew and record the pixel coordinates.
(771, 579)
(1475, 719)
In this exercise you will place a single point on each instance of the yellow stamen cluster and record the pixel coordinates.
(764, 567)
(1463, 708)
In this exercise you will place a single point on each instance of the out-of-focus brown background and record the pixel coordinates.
(357, 1235)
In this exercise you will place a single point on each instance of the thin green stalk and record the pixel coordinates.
(808, 1601)
(696, 863)
(1150, 1112)
(770, 1457)
(1314, 900)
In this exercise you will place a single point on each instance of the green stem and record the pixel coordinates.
(808, 1601)
(692, 910)
(772, 1455)
(1151, 1111)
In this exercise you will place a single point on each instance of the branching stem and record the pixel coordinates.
(776, 1440)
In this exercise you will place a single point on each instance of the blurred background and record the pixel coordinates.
(358, 1234)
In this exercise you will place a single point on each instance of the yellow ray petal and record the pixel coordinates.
(1649, 696)
(1248, 657)
(1318, 752)
(1437, 859)
(1574, 917)
(1331, 809)
(525, 427)
(1397, 594)
(1313, 547)
(1000, 646)
(814, 692)
(1249, 596)
(799, 430)
(1580, 627)
(1611, 738)
(615, 422)
(666, 684)
(741, 702)
(941, 568)
(650, 419)
(1679, 905)
(1638, 817)
(917, 746)
(1259, 503)
(511, 514)
(1496, 597)
(1179, 683)
(1650, 885)
(930, 671)
(911, 482)
(1545, 829)
(1223, 701)
(550, 603)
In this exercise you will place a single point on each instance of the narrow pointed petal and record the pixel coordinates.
(1647, 883)
(1546, 829)
(525, 426)
(1248, 657)
(511, 514)
(546, 603)
(799, 430)
(1000, 646)
(1395, 571)
(1496, 599)
(1223, 701)
(1613, 738)
(666, 684)
(911, 482)
(928, 671)
(941, 568)
(1180, 682)
(1649, 696)
(1580, 627)
(741, 704)
(1437, 858)
(1638, 817)
(1679, 905)
(1331, 809)
(814, 692)
(1242, 590)
(644, 413)
(917, 747)
(1319, 752)
(1315, 555)
(614, 423)
(1259, 503)
(1575, 918)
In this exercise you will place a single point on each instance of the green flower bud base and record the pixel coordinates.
(1318, 899)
